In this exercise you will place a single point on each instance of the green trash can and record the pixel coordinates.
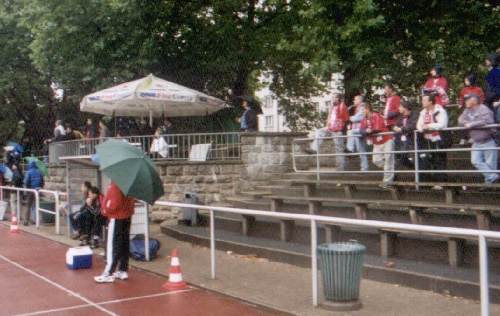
(341, 267)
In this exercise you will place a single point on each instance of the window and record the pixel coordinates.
(268, 101)
(269, 121)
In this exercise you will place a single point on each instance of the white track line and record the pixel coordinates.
(62, 309)
(86, 300)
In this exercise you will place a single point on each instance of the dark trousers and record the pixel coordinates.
(30, 203)
(432, 161)
(118, 243)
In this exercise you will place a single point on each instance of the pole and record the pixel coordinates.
(37, 208)
(483, 276)
(151, 119)
(18, 204)
(146, 233)
(212, 244)
(415, 148)
(58, 219)
(68, 196)
(314, 262)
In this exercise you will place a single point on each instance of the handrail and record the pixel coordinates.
(415, 152)
(482, 236)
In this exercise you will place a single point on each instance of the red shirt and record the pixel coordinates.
(440, 85)
(376, 124)
(391, 105)
(468, 90)
(338, 117)
(116, 205)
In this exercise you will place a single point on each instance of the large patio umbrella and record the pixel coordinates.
(151, 96)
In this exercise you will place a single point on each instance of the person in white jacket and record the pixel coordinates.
(432, 119)
(159, 145)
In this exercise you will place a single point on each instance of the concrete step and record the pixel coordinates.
(257, 194)
(415, 273)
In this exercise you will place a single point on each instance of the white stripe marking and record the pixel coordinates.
(105, 302)
(59, 286)
(109, 245)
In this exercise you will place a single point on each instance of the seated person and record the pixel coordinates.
(93, 219)
(76, 219)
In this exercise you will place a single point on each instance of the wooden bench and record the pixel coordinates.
(388, 238)
(350, 186)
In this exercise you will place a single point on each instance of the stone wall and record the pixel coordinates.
(265, 155)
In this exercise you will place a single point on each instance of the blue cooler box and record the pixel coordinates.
(79, 258)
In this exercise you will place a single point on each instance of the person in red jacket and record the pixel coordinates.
(383, 145)
(119, 209)
(335, 125)
(391, 111)
(470, 88)
(437, 85)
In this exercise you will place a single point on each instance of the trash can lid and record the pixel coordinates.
(343, 247)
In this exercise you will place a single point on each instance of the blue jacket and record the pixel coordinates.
(493, 88)
(33, 179)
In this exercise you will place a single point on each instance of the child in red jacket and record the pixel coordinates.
(119, 209)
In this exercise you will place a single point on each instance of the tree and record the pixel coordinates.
(26, 97)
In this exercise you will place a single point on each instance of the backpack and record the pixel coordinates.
(137, 248)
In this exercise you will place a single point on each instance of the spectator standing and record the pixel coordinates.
(391, 111)
(492, 80)
(383, 145)
(248, 120)
(335, 125)
(431, 120)
(119, 209)
(33, 179)
(159, 146)
(437, 85)
(405, 127)
(355, 141)
(475, 116)
(470, 87)
(103, 130)
(59, 131)
(166, 127)
(90, 130)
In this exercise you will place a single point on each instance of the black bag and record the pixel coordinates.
(137, 248)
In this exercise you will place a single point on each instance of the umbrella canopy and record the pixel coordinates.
(130, 169)
(39, 164)
(151, 96)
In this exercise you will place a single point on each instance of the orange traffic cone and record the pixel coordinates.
(175, 281)
(14, 228)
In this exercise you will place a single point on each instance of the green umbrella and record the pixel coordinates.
(130, 169)
(40, 165)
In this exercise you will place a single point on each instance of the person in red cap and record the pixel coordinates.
(119, 209)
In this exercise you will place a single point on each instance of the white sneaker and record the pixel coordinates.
(122, 275)
(104, 278)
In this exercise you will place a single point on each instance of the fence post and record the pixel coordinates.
(483, 274)
(415, 148)
(314, 262)
(18, 202)
(317, 160)
(37, 208)
(212, 244)
(58, 219)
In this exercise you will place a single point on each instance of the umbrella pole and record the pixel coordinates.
(151, 119)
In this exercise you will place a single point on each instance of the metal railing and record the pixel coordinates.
(37, 193)
(416, 153)
(481, 235)
(218, 146)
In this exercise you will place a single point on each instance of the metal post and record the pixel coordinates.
(483, 273)
(37, 208)
(58, 219)
(314, 262)
(68, 196)
(212, 244)
(18, 201)
(317, 159)
(415, 148)
(146, 233)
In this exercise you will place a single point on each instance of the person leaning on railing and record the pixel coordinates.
(405, 127)
(477, 115)
(355, 142)
(431, 120)
(383, 145)
(335, 124)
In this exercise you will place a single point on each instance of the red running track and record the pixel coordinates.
(34, 280)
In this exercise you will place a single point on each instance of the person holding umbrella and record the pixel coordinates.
(133, 176)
